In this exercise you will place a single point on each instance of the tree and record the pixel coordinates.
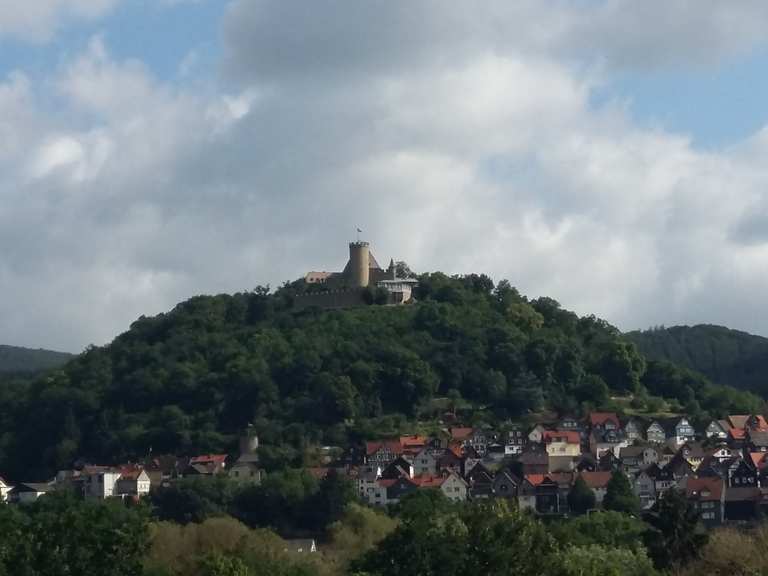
(581, 497)
(597, 560)
(606, 528)
(619, 495)
(676, 536)
(59, 535)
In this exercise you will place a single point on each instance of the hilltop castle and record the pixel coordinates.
(362, 271)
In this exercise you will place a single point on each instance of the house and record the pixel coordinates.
(742, 504)
(757, 422)
(471, 457)
(561, 463)
(100, 482)
(368, 487)
(757, 440)
(479, 482)
(541, 491)
(737, 437)
(716, 429)
(708, 497)
(470, 437)
(645, 487)
(536, 434)
(398, 489)
(604, 421)
(397, 468)
(664, 478)
(4, 489)
(721, 453)
(666, 455)
(598, 482)
(425, 462)
(28, 492)
(413, 444)
(133, 481)
(382, 452)
(632, 430)
(693, 452)
(655, 433)
(246, 469)
(586, 462)
(451, 459)
(450, 484)
(738, 421)
(207, 465)
(514, 442)
(743, 475)
(303, 546)
(607, 440)
(562, 443)
(680, 467)
(636, 458)
(683, 431)
(534, 461)
(507, 485)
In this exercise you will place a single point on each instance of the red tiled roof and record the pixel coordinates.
(393, 445)
(599, 418)
(428, 481)
(737, 433)
(704, 488)
(757, 458)
(536, 479)
(461, 433)
(597, 479)
(208, 459)
(412, 441)
(569, 436)
(761, 423)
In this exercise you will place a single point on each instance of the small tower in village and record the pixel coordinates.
(249, 441)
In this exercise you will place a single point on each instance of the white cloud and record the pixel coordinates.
(37, 20)
(458, 139)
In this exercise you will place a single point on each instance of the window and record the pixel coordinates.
(708, 515)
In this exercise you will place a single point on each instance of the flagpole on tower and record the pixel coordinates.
(358, 235)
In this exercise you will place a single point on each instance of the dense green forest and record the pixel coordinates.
(24, 360)
(189, 380)
(725, 356)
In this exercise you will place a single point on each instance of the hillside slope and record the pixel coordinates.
(14, 359)
(189, 380)
(725, 356)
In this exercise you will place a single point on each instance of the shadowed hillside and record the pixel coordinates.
(24, 360)
(723, 355)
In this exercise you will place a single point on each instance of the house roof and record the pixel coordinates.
(738, 420)
(737, 433)
(596, 479)
(632, 451)
(704, 488)
(761, 423)
(757, 458)
(208, 459)
(600, 418)
(567, 436)
(461, 433)
(758, 437)
(394, 445)
(413, 441)
(430, 481)
(33, 487)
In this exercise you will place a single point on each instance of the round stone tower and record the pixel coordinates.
(359, 263)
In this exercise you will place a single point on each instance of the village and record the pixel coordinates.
(722, 469)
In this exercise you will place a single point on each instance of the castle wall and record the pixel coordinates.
(330, 299)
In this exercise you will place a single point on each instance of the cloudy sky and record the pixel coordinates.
(612, 154)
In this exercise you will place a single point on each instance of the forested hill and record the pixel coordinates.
(189, 380)
(24, 360)
(725, 356)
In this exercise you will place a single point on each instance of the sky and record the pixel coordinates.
(610, 154)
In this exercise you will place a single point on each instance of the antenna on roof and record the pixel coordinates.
(358, 235)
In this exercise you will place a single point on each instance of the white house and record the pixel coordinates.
(4, 489)
(101, 482)
(28, 493)
(134, 481)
